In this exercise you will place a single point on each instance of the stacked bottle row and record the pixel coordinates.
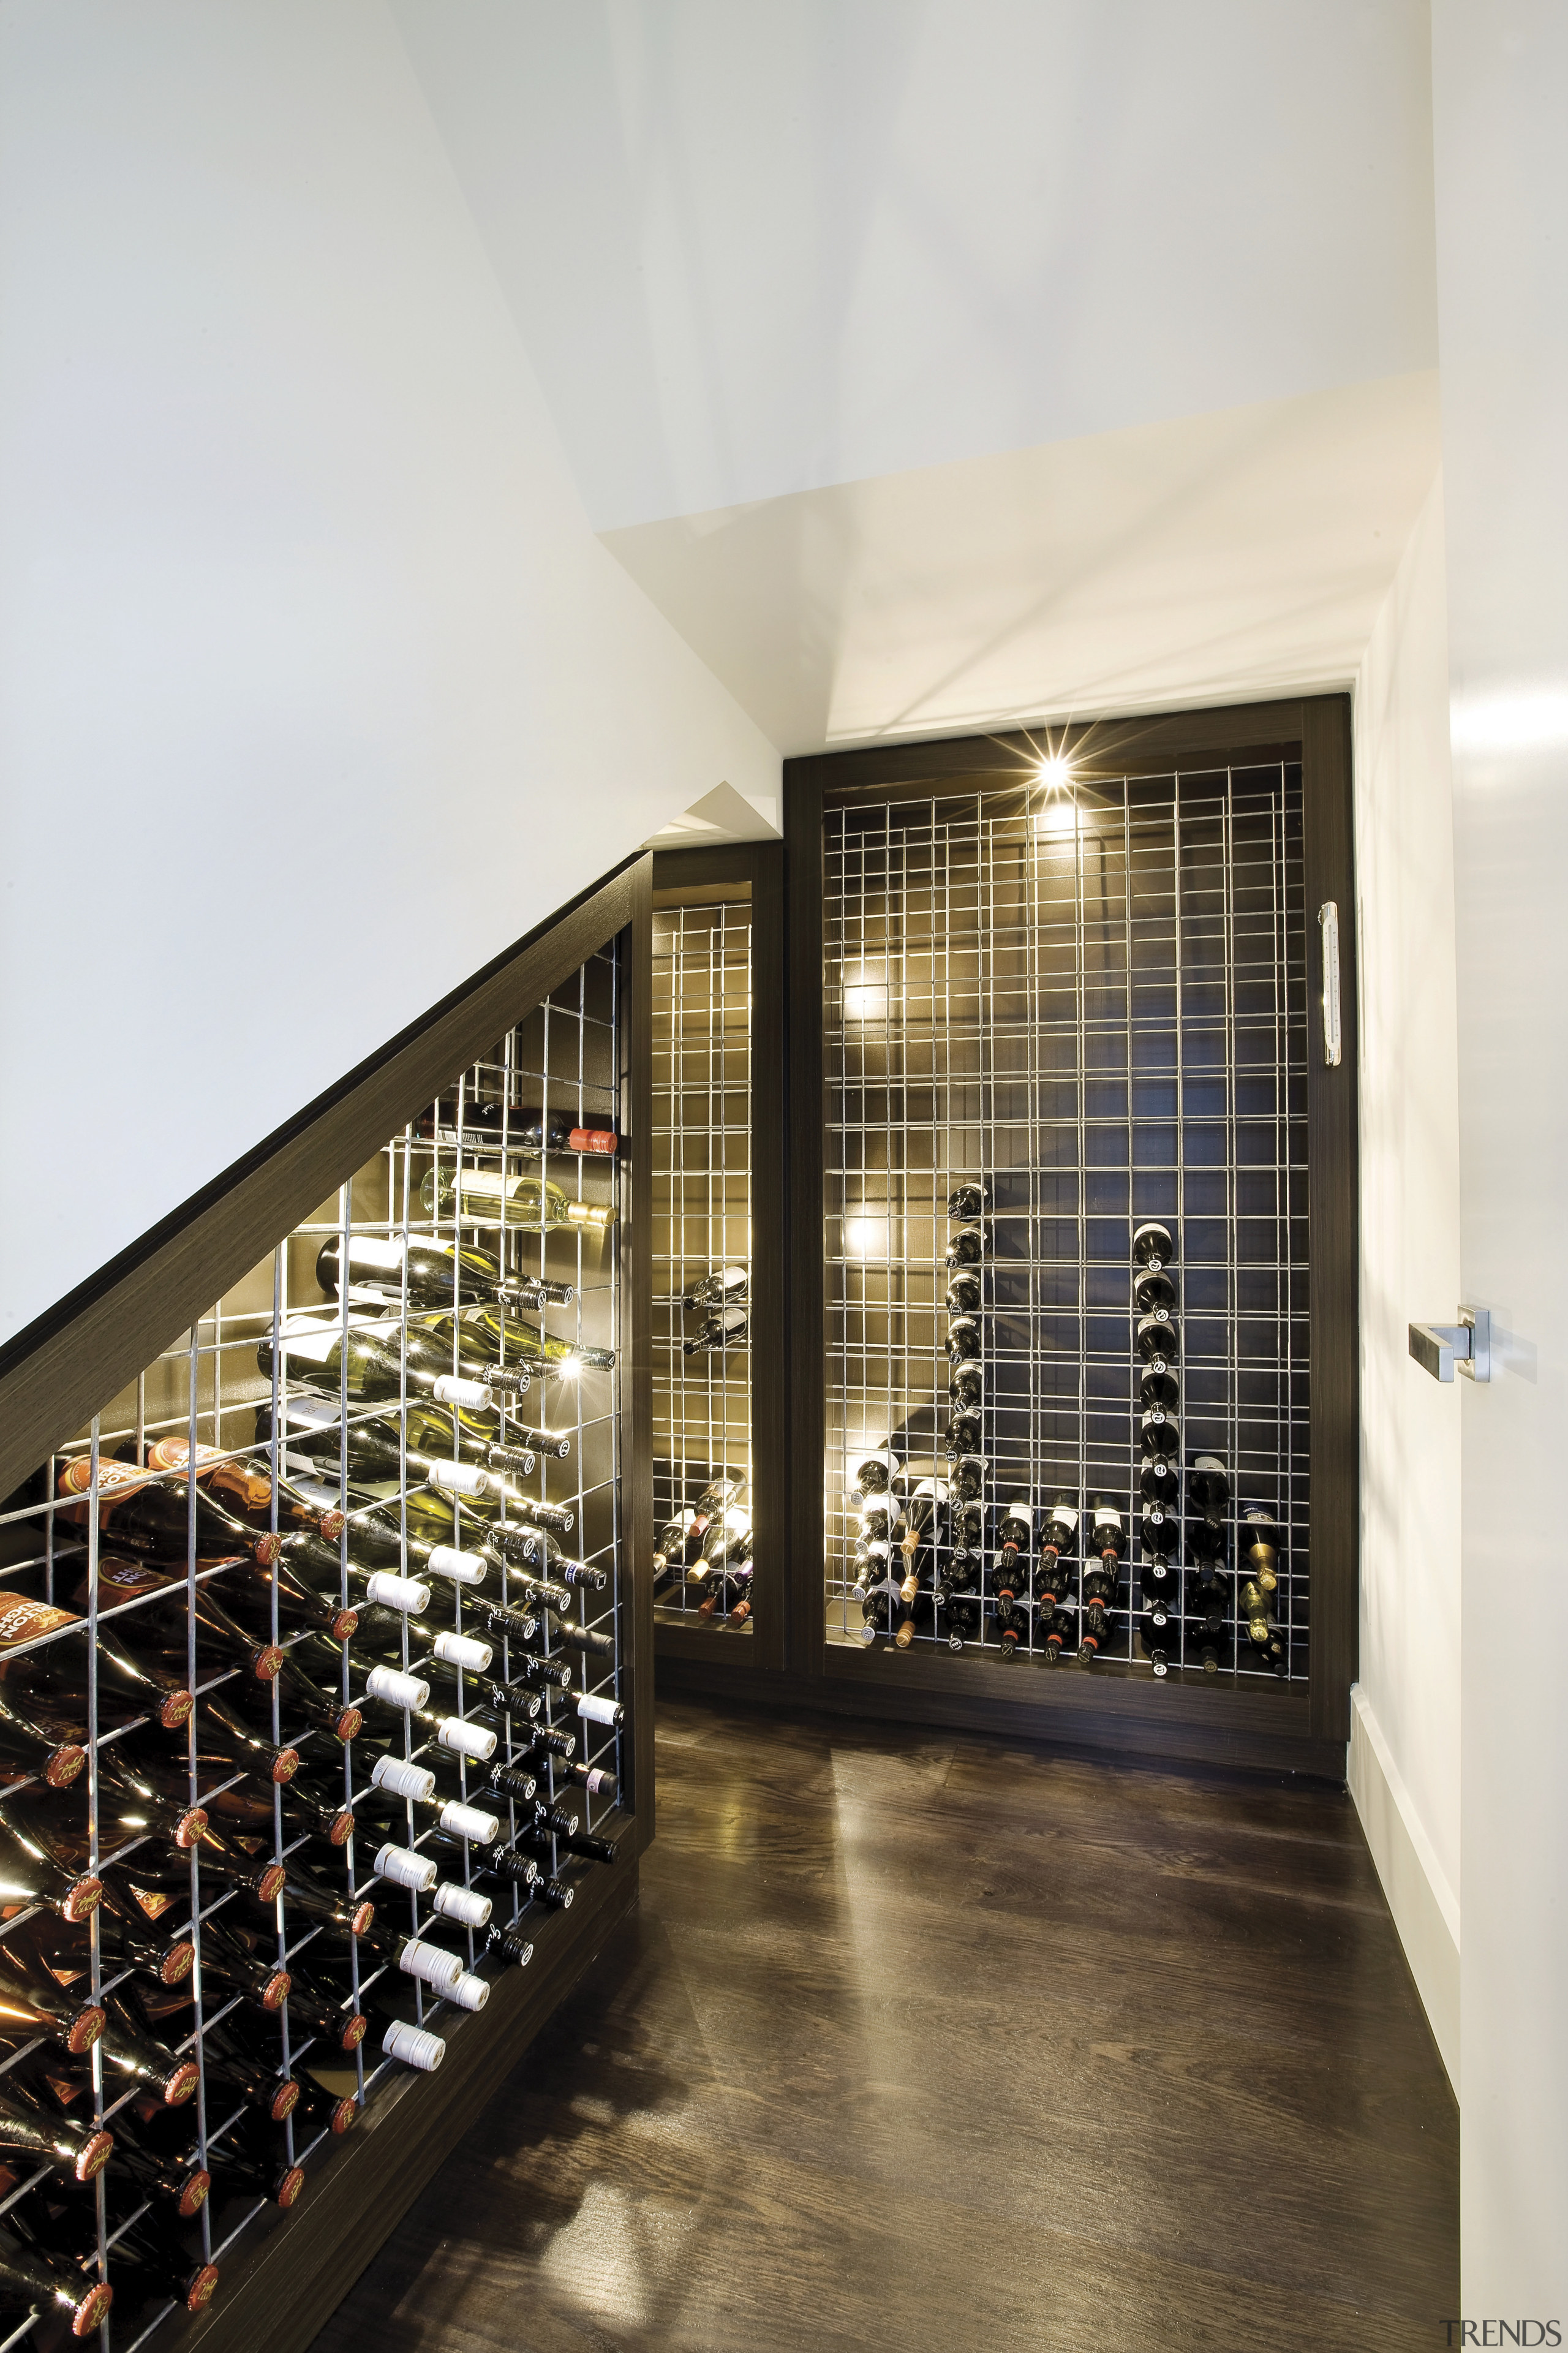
(934, 1558)
(704, 1553)
(303, 1734)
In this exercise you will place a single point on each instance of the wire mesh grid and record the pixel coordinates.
(701, 1192)
(1093, 1000)
(138, 1563)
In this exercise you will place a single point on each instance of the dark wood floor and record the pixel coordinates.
(930, 2044)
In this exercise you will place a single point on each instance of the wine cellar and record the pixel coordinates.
(1071, 1220)
(1081, 1371)
(715, 1135)
(324, 1700)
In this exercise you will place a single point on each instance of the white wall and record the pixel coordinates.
(1501, 94)
(794, 246)
(316, 690)
(1405, 1748)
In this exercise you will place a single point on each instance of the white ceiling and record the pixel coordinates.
(934, 362)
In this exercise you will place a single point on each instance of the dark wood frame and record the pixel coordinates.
(286, 2279)
(760, 866)
(1279, 1729)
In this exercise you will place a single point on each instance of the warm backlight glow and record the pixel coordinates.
(1055, 773)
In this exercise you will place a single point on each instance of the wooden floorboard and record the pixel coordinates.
(922, 2041)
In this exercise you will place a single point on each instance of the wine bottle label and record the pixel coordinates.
(24, 1621)
(594, 1710)
(466, 1739)
(398, 1689)
(368, 1255)
(597, 1782)
(451, 1390)
(460, 1478)
(429, 1964)
(404, 1780)
(405, 1869)
(414, 2045)
(462, 1904)
(303, 1412)
(470, 1992)
(310, 1344)
(462, 1651)
(462, 1568)
(245, 1484)
(405, 1593)
(469, 1822)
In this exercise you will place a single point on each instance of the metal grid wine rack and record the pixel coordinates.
(569, 1054)
(701, 1184)
(1092, 997)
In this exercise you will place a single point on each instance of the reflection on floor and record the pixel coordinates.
(925, 2043)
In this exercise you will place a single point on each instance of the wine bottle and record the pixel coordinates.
(1157, 1640)
(231, 1966)
(1152, 1245)
(145, 1515)
(1154, 1288)
(322, 2111)
(246, 1487)
(965, 1292)
(397, 1785)
(373, 1449)
(1208, 1604)
(1155, 1338)
(1206, 1541)
(1157, 1385)
(1160, 1481)
(727, 1286)
(439, 1274)
(1096, 1629)
(669, 1552)
(1158, 1433)
(873, 1473)
(251, 2165)
(1255, 1608)
(959, 1608)
(1109, 1541)
(302, 1696)
(523, 1204)
(1055, 1636)
(170, 2176)
(30, 2283)
(1260, 1532)
(300, 1605)
(970, 1199)
(386, 1362)
(1052, 1581)
(1212, 1650)
(223, 1859)
(157, 1629)
(488, 1331)
(32, 2000)
(968, 1246)
(129, 2048)
(966, 1385)
(320, 2004)
(525, 1127)
(1016, 1534)
(963, 1340)
(150, 2263)
(1162, 1542)
(920, 1515)
(226, 1744)
(1208, 1484)
(967, 1481)
(235, 2073)
(723, 1328)
(964, 1437)
(31, 1873)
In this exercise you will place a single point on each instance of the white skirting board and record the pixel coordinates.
(1425, 1907)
